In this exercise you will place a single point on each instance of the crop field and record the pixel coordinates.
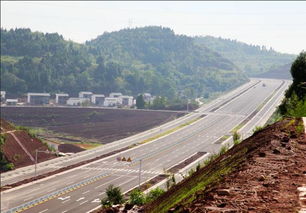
(93, 124)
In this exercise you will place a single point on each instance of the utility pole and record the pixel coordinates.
(36, 153)
(139, 180)
(187, 105)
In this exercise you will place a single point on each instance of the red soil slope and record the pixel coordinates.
(267, 178)
(14, 153)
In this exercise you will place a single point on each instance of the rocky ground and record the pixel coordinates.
(267, 181)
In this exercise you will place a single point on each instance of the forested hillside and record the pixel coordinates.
(155, 58)
(252, 59)
(132, 61)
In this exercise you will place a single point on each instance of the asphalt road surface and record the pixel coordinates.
(79, 189)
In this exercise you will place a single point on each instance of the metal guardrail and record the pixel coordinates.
(52, 195)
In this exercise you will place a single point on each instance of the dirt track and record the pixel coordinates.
(14, 153)
(104, 125)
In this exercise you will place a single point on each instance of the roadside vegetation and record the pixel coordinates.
(114, 196)
(294, 103)
(4, 164)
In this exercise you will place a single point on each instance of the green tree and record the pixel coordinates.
(298, 68)
(154, 194)
(137, 197)
(114, 196)
(140, 103)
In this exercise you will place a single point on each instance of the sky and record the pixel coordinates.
(280, 25)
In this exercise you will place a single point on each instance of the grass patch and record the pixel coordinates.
(86, 146)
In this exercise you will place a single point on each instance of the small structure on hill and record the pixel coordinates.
(111, 102)
(38, 98)
(77, 101)
(85, 94)
(115, 95)
(11, 102)
(127, 101)
(3, 93)
(98, 99)
(61, 98)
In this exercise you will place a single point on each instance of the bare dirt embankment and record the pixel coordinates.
(261, 174)
(99, 125)
(19, 147)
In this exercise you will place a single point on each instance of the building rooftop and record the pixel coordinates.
(98, 95)
(11, 100)
(62, 94)
(38, 94)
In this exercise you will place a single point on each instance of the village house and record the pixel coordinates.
(38, 98)
(126, 101)
(115, 95)
(98, 99)
(61, 98)
(77, 101)
(11, 102)
(85, 94)
(111, 102)
(3, 96)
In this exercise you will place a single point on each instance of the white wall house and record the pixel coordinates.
(147, 97)
(61, 98)
(38, 98)
(111, 102)
(3, 93)
(126, 100)
(77, 101)
(115, 95)
(85, 94)
(11, 101)
(98, 99)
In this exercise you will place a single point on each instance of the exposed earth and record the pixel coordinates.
(99, 125)
(19, 147)
(265, 180)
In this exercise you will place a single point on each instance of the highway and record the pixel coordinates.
(79, 189)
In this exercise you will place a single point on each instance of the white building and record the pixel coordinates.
(11, 101)
(147, 97)
(38, 98)
(61, 98)
(77, 101)
(111, 102)
(115, 95)
(126, 100)
(3, 93)
(98, 99)
(85, 94)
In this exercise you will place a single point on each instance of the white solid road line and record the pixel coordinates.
(81, 198)
(84, 202)
(65, 201)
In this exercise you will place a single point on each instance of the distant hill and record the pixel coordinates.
(252, 59)
(281, 72)
(131, 61)
(161, 57)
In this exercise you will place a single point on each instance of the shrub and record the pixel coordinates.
(236, 138)
(9, 166)
(198, 167)
(137, 197)
(154, 194)
(114, 196)
(257, 129)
